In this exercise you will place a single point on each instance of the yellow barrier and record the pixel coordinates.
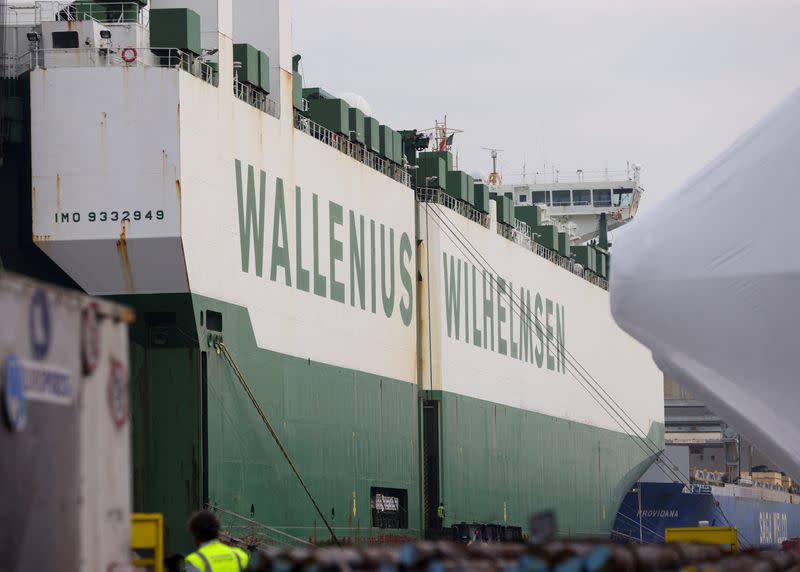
(722, 535)
(147, 540)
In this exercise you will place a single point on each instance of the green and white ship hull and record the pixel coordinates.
(391, 360)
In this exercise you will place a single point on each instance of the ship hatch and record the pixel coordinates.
(389, 507)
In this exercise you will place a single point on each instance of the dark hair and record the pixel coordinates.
(204, 526)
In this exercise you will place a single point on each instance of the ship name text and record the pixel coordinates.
(489, 312)
(369, 264)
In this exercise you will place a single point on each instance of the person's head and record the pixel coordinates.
(204, 526)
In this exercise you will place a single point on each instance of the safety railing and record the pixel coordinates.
(354, 535)
(578, 176)
(8, 66)
(525, 236)
(353, 149)
(240, 530)
(107, 12)
(116, 57)
(34, 13)
(438, 196)
(520, 233)
(256, 98)
(512, 233)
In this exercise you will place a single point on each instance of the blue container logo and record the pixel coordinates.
(39, 324)
(14, 406)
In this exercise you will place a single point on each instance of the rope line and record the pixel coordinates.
(224, 349)
(617, 412)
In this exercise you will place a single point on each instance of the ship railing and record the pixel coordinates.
(523, 234)
(112, 57)
(106, 13)
(438, 196)
(8, 66)
(353, 149)
(240, 530)
(243, 531)
(34, 13)
(515, 235)
(570, 265)
(577, 176)
(256, 98)
(520, 233)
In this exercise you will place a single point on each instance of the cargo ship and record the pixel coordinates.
(763, 514)
(413, 338)
(709, 474)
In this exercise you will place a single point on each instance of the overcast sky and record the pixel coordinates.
(573, 83)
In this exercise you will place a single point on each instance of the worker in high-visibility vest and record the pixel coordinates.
(440, 514)
(211, 554)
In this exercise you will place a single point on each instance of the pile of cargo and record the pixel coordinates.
(560, 556)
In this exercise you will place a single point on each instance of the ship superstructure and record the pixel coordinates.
(413, 340)
(578, 201)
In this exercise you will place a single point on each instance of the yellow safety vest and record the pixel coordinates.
(440, 511)
(217, 557)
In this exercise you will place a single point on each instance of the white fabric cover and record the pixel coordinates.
(709, 280)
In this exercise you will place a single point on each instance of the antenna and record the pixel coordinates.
(442, 135)
(524, 164)
(495, 178)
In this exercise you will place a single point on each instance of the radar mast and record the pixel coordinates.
(495, 178)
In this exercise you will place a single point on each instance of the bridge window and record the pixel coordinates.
(541, 197)
(63, 40)
(523, 199)
(622, 197)
(602, 197)
(582, 197)
(561, 198)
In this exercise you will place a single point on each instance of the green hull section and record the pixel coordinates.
(199, 439)
(501, 464)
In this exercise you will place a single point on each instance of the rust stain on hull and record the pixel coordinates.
(41, 237)
(125, 261)
(58, 193)
(178, 192)
(33, 207)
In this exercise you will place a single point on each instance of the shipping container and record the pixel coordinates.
(65, 436)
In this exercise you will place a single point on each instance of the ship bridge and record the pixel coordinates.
(577, 202)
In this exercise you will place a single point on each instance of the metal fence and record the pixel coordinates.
(256, 98)
(355, 150)
(241, 530)
(34, 13)
(438, 196)
(111, 57)
(8, 66)
(520, 233)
